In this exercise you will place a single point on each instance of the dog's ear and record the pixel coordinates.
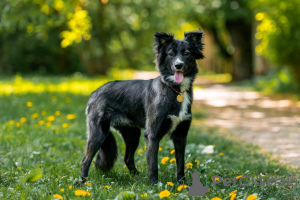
(195, 40)
(162, 39)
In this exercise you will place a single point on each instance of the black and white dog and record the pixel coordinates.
(160, 106)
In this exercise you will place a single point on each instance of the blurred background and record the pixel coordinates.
(256, 40)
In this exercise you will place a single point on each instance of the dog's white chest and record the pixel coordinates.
(183, 113)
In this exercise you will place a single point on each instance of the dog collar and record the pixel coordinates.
(180, 97)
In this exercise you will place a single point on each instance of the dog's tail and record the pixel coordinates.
(107, 154)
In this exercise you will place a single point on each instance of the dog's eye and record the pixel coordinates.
(187, 53)
(171, 53)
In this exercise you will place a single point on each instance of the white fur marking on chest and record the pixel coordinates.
(183, 113)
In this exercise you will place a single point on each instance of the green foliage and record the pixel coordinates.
(54, 142)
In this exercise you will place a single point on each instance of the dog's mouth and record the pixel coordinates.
(178, 76)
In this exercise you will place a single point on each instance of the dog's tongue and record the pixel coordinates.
(178, 76)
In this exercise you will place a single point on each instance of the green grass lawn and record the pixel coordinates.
(43, 136)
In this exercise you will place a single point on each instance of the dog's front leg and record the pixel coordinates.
(152, 153)
(179, 137)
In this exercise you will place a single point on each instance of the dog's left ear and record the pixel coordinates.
(195, 40)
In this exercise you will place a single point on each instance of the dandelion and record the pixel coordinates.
(106, 186)
(217, 179)
(50, 118)
(159, 149)
(164, 193)
(221, 154)
(140, 151)
(164, 160)
(23, 120)
(48, 124)
(62, 189)
(238, 177)
(172, 151)
(170, 183)
(82, 193)
(29, 104)
(70, 187)
(173, 160)
(68, 100)
(233, 192)
(216, 198)
(34, 115)
(11, 122)
(43, 113)
(232, 197)
(65, 125)
(87, 184)
(189, 165)
(180, 187)
(57, 113)
(71, 116)
(144, 195)
(251, 197)
(18, 124)
(145, 148)
(197, 162)
(41, 122)
(57, 196)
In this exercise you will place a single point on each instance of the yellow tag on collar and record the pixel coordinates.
(180, 98)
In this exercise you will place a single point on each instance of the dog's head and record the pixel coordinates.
(176, 59)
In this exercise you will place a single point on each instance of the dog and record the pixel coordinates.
(160, 106)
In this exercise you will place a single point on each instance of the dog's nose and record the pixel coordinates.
(178, 65)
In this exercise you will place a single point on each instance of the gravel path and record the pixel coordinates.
(274, 125)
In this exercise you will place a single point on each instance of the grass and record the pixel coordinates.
(42, 141)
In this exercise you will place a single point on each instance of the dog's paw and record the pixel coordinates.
(134, 172)
(79, 183)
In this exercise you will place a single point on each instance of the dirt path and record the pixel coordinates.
(271, 124)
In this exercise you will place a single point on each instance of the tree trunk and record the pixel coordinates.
(240, 33)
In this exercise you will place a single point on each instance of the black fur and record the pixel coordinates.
(129, 106)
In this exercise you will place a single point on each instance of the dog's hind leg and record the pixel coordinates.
(98, 130)
(179, 137)
(131, 136)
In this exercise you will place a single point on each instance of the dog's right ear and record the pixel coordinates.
(162, 39)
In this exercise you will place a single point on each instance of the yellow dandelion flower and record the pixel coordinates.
(70, 187)
(11, 122)
(197, 162)
(180, 187)
(172, 151)
(238, 177)
(221, 154)
(159, 149)
(189, 165)
(232, 197)
(170, 183)
(233, 192)
(18, 124)
(164, 160)
(145, 148)
(88, 184)
(140, 151)
(173, 160)
(51, 118)
(29, 104)
(57, 196)
(41, 122)
(216, 198)
(65, 125)
(57, 113)
(217, 179)
(68, 100)
(251, 197)
(48, 124)
(23, 120)
(62, 189)
(164, 193)
(106, 186)
(43, 112)
(34, 115)
(71, 116)
(81, 193)
(144, 195)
